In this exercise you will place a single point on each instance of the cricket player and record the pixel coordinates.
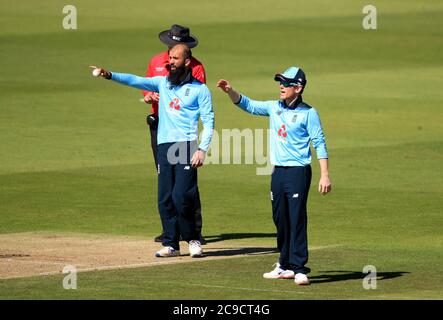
(158, 66)
(182, 101)
(293, 125)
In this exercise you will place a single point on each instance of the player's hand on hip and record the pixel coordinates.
(198, 158)
(324, 186)
(224, 85)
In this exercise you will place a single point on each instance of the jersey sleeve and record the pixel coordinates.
(134, 81)
(259, 108)
(149, 74)
(207, 117)
(315, 132)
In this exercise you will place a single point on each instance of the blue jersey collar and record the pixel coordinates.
(296, 104)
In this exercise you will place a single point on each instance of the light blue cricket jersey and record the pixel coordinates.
(179, 108)
(292, 130)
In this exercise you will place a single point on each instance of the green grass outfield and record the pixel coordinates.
(74, 155)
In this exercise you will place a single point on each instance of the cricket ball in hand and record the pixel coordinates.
(96, 72)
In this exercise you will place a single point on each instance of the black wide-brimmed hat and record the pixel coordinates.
(176, 35)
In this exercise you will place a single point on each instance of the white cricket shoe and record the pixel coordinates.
(301, 279)
(195, 248)
(167, 252)
(279, 273)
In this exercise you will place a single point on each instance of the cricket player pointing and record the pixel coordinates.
(158, 66)
(183, 100)
(293, 125)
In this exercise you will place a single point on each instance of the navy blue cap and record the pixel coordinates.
(293, 75)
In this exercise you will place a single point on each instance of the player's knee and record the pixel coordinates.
(183, 199)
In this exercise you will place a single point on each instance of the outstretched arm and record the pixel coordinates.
(150, 84)
(149, 96)
(260, 108)
(225, 86)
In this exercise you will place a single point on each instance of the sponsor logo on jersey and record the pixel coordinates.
(174, 104)
(282, 131)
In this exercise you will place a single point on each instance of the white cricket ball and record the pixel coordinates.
(96, 72)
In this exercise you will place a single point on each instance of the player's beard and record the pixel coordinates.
(178, 75)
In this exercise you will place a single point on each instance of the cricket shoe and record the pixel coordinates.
(301, 279)
(279, 273)
(195, 248)
(167, 252)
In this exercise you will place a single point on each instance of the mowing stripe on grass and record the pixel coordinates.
(236, 288)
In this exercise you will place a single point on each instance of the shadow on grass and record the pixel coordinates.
(234, 236)
(222, 252)
(342, 275)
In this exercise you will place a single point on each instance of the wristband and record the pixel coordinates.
(238, 100)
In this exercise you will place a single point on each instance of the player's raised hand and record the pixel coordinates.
(227, 88)
(224, 85)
